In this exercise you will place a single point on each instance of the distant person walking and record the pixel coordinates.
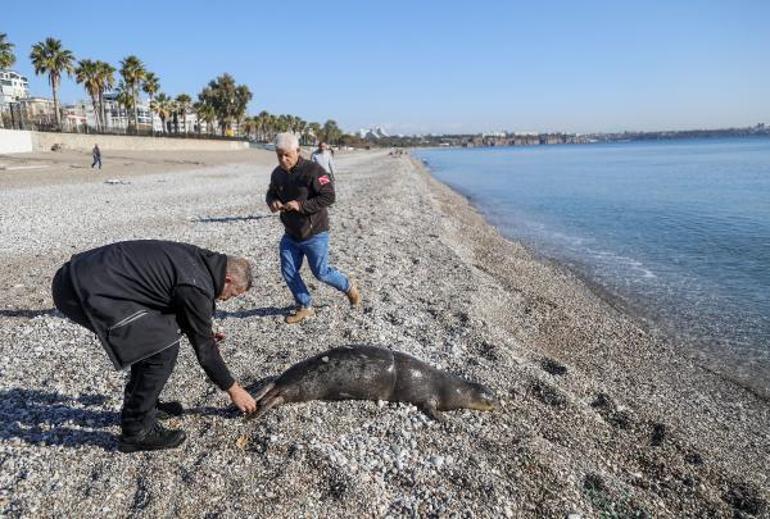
(97, 154)
(324, 157)
(301, 190)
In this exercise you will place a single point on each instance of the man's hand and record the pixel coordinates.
(218, 337)
(242, 399)
(291, 206)
(276, 205)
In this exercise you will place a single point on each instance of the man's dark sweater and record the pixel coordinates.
(310, 185)
(139, 295)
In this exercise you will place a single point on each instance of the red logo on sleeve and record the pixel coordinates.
(323, 180)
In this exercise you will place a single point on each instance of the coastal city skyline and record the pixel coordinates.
(438, 69)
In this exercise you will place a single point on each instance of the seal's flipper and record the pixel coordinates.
(264, 406)
(265, 389)
(429, 408)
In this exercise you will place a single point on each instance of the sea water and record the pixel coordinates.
(679, 230)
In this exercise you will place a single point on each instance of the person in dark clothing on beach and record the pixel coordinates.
(97, 154)
(302, 190)
(137, 297)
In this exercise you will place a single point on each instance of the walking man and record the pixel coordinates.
(301, 190)
(97, 155)
(137, 296)
(323, 157)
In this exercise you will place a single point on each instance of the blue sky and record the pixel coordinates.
(418, 67)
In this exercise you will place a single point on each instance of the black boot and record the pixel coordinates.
(155, 438)
(168, 410)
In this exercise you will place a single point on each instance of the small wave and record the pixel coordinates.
(610, 258)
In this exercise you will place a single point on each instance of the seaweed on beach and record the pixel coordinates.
(547, 394)
(608, 410)
(602, 498)
(554, 368)
(745, 499)
(658, 434)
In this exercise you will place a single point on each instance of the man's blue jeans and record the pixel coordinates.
(316, 249)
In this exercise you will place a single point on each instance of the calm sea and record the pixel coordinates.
(678, 230)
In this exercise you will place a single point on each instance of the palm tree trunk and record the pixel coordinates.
(102, 109)
(56, 103)
(136, 111)
(96, 113)
(152, 117)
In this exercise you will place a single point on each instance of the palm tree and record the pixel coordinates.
(249, 126)
(228, 99)
(206, 113)
(173, 107)
(125, 98)
(315, 129)
(331, 132)
(106, 74)
(7, 59)
(301, 126)
(48, 57)
(282, 123)
(133, 72)
(261, 121)
(184, 103)
(87, 74)
(161, 105)
(151, 86)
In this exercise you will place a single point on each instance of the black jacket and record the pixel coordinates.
(140, 295)
(309, 184)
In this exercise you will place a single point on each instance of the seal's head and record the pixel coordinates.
(470, 395)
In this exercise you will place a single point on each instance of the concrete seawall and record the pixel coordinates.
(19, 141)
(15, 141)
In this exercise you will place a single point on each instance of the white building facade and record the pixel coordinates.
(13, 86)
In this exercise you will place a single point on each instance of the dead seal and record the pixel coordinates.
(371, 373)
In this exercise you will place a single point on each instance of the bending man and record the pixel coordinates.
(137, 296)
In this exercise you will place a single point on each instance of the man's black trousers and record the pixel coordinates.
(148, 376)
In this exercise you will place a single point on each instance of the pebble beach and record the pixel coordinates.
(600, 414)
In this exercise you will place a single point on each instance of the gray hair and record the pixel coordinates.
(286, 141)
(240, 270)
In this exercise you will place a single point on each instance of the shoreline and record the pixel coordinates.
(596, 416)
(707, 351)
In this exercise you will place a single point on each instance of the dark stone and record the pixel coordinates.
(619, 419)
(603, 401)
(658, 434)
(594, 483)
(337, 485)
(553, 367)
(745, 499)
(694, 458)
(488, 351)
(547, 394)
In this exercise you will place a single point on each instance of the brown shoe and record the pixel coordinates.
(354, 296)
(300, 314)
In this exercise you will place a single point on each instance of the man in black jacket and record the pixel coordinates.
(137, 296)
(302, 190)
